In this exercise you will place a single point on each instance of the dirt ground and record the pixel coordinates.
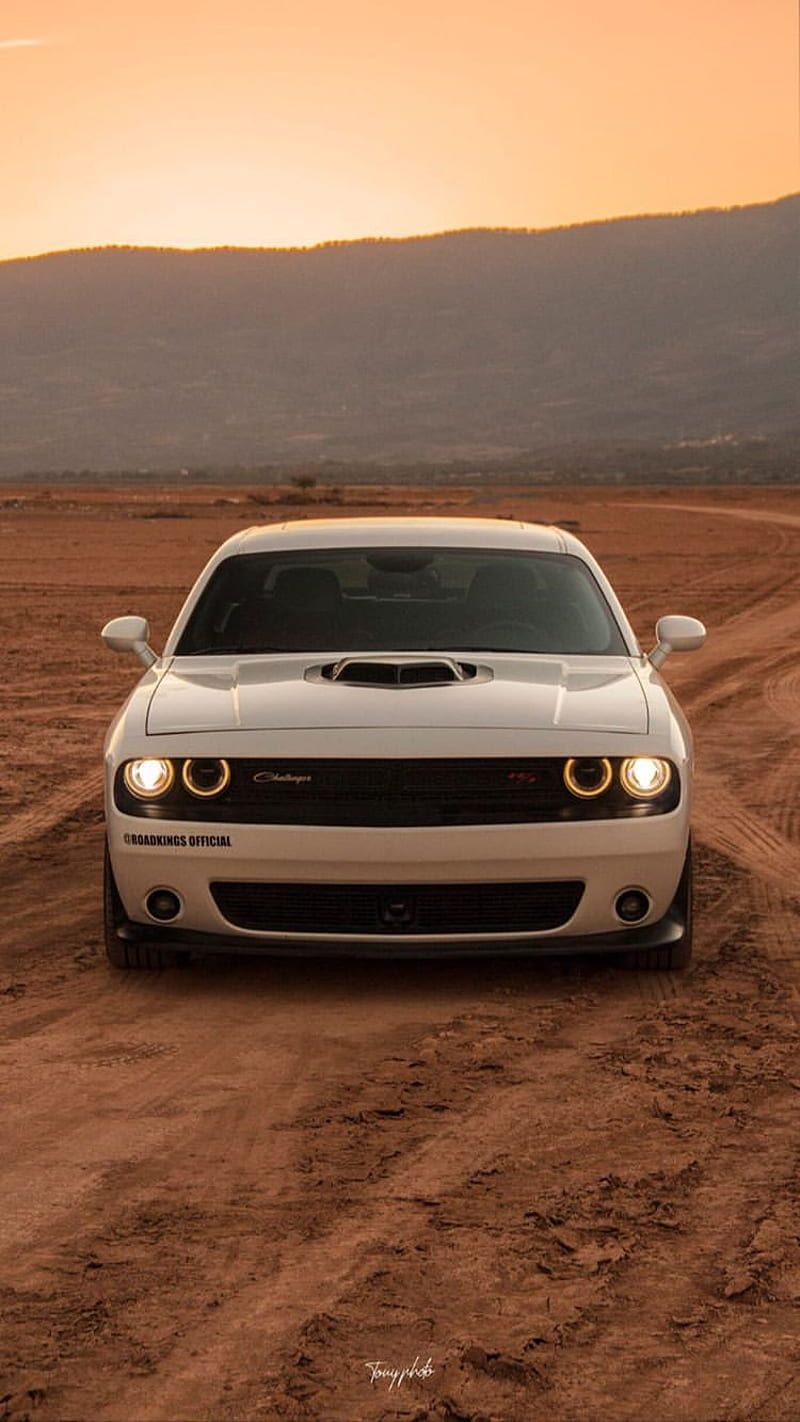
(572, 1187)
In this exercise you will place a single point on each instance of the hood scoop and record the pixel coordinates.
(398, 671)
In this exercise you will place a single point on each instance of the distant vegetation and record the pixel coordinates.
(747, 461)
(640, 348)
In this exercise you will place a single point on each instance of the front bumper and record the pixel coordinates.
(607, 856)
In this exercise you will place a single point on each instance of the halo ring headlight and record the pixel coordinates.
(200, 779)
(149, 778)
(645, 776)
(587, 776)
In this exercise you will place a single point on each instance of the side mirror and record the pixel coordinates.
(676, 634)
(130, 634)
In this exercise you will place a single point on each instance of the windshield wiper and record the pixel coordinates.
(230, 652)
(296, 651)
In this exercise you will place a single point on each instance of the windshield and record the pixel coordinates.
(401, 600)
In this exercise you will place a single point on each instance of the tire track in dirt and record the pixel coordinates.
(83, 800)
(766, 584)
(721, 821)
(385, 1210)
(750, 515)
(781, 692)
(780, 792)
(754, 643)
(781, 938)
(756, 578)
(114, 590)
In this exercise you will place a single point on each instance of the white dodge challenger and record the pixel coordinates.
(399, 735)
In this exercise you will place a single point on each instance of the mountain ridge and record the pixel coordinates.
(370, 239)
(478, 342)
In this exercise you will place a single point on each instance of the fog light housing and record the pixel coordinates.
(149, 778)
(163, 905)
(632, 905)
(644, 776)
(206, 777)
(587, 776)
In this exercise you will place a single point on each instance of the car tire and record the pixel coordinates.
(121, 953)
(674, 956)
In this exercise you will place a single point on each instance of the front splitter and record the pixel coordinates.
(668, 931)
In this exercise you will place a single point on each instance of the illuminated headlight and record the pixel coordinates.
(644, 777)
(206, 777)
(587, 776)
(148, 779)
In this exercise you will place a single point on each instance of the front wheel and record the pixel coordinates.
(674, 955)
(121, 952)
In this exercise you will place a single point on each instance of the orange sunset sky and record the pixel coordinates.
(270, 124)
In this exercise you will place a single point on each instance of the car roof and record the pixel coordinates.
(404, 532)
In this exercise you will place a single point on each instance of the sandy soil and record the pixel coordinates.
(574, 1188)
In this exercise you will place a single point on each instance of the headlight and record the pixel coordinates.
(206, 777)
(645, 777)
(587, 776)
(148, 779)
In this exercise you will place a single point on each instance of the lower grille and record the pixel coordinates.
(399, 908)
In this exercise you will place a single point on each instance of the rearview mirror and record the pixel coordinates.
(130, 634)
(676, 634)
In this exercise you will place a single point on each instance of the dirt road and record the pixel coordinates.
(574, 1189)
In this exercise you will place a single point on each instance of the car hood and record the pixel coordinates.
(275, 693)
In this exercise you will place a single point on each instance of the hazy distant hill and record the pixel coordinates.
(470, 343)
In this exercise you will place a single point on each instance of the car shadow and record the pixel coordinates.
(300, 978)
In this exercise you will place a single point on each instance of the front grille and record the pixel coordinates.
(399, 909)
(395, 793)
(403, 792)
